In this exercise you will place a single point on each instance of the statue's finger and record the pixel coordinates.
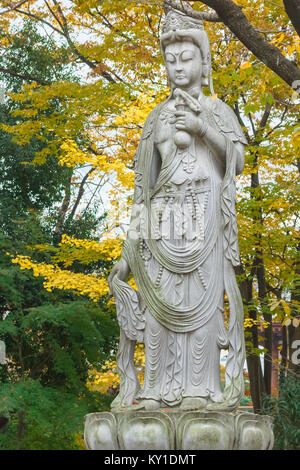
(180, 113)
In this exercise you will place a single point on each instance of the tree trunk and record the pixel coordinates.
(268, 333)
(262, 291)
(80, 193)
(257, 387)
(3, 423)
(257, 384)
(65, 205)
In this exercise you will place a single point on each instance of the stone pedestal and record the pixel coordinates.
(178, 430)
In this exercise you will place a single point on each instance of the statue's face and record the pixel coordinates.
(184, 64)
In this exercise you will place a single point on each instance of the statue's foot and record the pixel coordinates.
(193, 403)
(147, 405)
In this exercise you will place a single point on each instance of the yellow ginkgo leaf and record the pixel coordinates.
(286, 307)
(245, 65)
(291, 49)
(274, 305)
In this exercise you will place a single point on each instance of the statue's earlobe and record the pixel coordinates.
(205, 75)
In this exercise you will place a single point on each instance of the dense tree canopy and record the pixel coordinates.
(52, 339)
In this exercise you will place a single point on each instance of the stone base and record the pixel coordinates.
(180, 430)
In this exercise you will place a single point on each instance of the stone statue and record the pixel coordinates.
(182, 248)
(182, 242)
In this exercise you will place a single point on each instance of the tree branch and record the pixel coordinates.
(37, 18)
(80, 193)
(12, 7)
(65, 205)
(263, 123)
(249, 116)
(65, 29)
(23, 76)
(188, 9)
(65, 32)
(242, 124)
(279, 124)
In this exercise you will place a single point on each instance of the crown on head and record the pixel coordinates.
(176, 20)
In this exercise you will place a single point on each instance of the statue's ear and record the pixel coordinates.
(205, 74)
(206, 68)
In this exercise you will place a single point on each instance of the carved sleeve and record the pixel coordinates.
(138, 159)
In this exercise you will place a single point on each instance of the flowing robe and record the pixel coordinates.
(182, 261)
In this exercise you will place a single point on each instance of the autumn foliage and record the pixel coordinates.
(91, 121)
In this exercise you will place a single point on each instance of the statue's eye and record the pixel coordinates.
(186, 55)
(170, 58)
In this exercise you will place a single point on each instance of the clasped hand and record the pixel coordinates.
(187, 121)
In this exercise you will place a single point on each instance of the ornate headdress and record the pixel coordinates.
(176, 20)
(178, 27)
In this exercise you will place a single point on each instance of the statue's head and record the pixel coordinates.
(186, 51)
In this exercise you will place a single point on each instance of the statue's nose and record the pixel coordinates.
(178, 66)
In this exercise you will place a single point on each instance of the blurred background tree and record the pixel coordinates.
(52, 339)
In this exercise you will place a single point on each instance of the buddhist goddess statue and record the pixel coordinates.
(182, 245)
